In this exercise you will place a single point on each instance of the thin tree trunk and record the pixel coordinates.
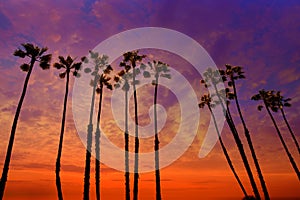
(156, 145)
(127, 183)
(61, 139)
(242, 153)
(88, 164)
(239, 144)
(13, 132)
(97, 147)
(227, 155)
(294, 165)
(136, 142)
(249, 141)
(89, 144)
(290, 129)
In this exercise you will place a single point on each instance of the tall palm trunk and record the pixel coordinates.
(136, 142)
(293, 163)
(62, 130)
(89, 145)
(13, 131)
(242, 153)
(227, 155)
(126, 135)
(290, 129)
(156, 144)
(248, 137)
(97, 147)
(239, 144)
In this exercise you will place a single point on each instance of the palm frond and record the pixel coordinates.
(25, 67)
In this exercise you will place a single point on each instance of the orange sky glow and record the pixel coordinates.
(261, 37)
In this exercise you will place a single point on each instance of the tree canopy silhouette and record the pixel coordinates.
(206, 100)
(68, 65)
(122, 79)
(99, 62)
(35, 54)
(131, 61)
(211, 79)
(157, 69)
(271, 102)
(102, 79)
(230, 75)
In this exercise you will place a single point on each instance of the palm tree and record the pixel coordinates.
(35, 53)
(233, 73)
(99, 62)
(87, 168)
(125, 76)
(207, 100)
(271, 102)
(281, 102)
(103, 80)
(69, 67)
(213, 78)
(159, 69)
(130, 60)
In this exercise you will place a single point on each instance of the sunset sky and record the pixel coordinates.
(261, 36)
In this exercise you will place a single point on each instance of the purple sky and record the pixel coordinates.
(262, 36)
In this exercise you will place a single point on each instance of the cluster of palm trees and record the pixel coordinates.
(221, 97)
(133, 65)
(101, 76)
(132, 60)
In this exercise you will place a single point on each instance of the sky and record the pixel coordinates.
(261, 36)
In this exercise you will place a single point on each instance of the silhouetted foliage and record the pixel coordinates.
(206, 100)
(274, 101)
(131, 61)
(101, 70)
(230, 75)
(211, 79)
(103, 81)
(121, 81)
(279, 103)
(132, 67)
(157, 69)
(69, 67)
(36, 54)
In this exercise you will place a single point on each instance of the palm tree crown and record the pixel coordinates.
(69, 66)
(130, 60)
(274, 101)
(36, 54)
(230, 75)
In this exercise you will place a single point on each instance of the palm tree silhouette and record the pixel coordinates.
(99, 62)
(159, 69)
(36, 54)
(231, 74)
(270, 100)
(130, 60)
(103, 80)
(122, 78)
(280, 103)
(70, 67)
(213, 78)
(207, 100)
